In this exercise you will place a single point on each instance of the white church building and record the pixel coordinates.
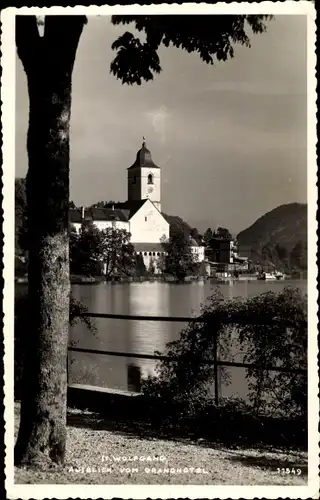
(140, 215)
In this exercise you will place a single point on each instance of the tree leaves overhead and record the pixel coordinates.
(135, 61)
(213, 37)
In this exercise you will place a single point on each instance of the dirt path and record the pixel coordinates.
(102, 457)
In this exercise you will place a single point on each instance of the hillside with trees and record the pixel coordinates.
(177, 222)
(278, 238)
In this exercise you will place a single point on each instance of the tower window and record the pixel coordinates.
(146, 218)
(150, 179)
(134, 180)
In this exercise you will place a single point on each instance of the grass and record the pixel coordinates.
(91, 438)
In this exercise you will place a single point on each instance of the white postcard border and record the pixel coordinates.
(8, 122)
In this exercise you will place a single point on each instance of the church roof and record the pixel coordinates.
(148, 247)
(106, 214)
(98, 214)
(121, 211)
(144, 158)
(129, 208)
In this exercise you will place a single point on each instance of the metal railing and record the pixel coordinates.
(203, 319)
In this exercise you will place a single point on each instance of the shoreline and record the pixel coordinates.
(84, 280)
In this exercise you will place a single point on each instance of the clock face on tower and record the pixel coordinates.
(150, 189)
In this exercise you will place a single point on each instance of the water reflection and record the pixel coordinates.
(150, 299)
(158, 299)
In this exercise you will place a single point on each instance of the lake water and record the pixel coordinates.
(144, 337)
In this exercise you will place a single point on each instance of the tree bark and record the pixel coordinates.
(48, 62)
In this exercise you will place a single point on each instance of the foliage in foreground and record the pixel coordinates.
(268, 330)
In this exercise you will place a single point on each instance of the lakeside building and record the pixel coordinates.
(140, 215)
(223, 257)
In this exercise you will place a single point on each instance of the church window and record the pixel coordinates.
(145, 253)
(154, 253)
(146, 218)
(158, 254)
(150, 179)
(134, 180)
(150, 253)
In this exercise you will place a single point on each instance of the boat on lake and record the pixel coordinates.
(276, 275)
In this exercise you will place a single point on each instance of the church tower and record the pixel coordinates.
(144, 178)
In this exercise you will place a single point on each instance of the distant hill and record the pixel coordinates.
(279, 237)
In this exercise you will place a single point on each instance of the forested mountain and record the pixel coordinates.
(177, 222)
(279, 237)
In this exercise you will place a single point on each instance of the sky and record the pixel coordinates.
(231, 139)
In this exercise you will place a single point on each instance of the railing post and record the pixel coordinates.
(134, 378)
(215, 368)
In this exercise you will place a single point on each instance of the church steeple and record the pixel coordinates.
(144, 158)
(144, 177)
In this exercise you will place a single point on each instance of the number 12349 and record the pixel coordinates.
(289, 470)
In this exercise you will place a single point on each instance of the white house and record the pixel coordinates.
(140, 215)
(197, 250)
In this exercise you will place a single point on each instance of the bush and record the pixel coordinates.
(282, 343)
(77, 313)
(270, 330)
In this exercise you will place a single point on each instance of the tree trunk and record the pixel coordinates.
(48, 63)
